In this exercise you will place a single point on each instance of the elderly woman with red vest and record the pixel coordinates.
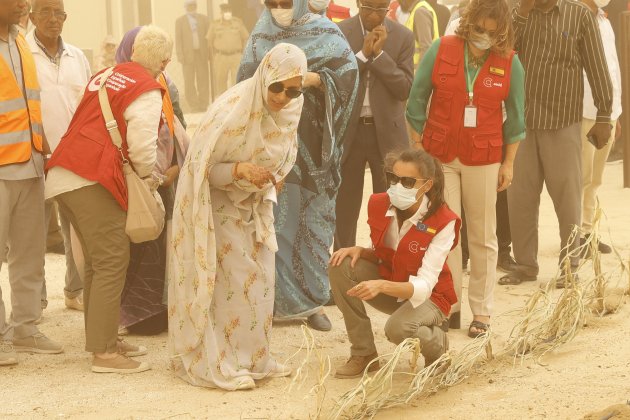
(405, 273)
(475, 122)
(86, 178)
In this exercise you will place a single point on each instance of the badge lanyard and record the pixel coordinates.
(470, 111)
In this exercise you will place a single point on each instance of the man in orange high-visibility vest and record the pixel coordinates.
(22, 149)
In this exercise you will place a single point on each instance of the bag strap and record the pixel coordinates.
(110, 122)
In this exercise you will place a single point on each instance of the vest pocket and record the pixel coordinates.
(442, 107)
(434, 138)
(487, 148)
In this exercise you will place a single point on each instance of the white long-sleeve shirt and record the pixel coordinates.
(608, 40)
(435, 255)
(143, 118)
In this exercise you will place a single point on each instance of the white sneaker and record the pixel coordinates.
(75, 303)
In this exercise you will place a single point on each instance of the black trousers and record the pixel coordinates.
(364, 150)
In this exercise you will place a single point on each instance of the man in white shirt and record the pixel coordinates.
(63, 72)
(593, 159)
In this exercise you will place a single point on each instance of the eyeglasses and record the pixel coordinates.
(377, 10)
(47, 14)
(278, 87)
(406, 181)
(278, 4)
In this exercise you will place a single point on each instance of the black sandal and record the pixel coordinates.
(514, 279)
(480, 326)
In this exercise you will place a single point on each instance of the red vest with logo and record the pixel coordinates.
(445, 136)
(87, 149)
(397, 265)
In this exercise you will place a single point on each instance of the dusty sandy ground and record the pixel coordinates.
(587, 375)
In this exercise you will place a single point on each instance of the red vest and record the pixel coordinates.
(337, 13)
(87, 149)
(445, 136)
(398, 265)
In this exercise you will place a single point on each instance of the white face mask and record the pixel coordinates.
(227, 16)
(482, 41)
(319, 5)
(283, 17)
(601, 3)
(402, 198)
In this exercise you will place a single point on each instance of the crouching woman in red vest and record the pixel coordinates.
(405, 273)
(86, 179)
(469, 78)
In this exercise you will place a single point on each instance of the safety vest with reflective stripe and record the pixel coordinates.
(20, 113)
(410, 24)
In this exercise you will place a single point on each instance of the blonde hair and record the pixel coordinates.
(152, 47)
(478, 10)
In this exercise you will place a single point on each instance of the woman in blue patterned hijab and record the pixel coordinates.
(305, 215)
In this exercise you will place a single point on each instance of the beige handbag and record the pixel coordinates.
(145, 210)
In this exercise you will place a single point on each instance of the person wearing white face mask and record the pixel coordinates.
(318, 6)
(404, 273)
(469, 77)
(305, 221)
(227, 38)
(281, 11)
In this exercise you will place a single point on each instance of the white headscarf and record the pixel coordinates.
(237, 128)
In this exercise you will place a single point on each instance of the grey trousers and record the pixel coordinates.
(552, 158)
(22, 229)
(74, 284)
(405, 321)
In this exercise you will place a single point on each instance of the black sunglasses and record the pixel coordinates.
(406, 181)
(279, 4)
(278, 87)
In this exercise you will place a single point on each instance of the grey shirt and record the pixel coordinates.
(34, 168)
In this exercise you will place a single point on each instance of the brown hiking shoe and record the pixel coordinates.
(8, 356)
(355, 366)
(119, 364)
(37, 343)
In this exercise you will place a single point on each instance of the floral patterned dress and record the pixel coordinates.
(221, 273)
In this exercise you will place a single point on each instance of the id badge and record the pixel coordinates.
(470, 116)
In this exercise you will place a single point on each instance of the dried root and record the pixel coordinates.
(305, 370)
(377, 393)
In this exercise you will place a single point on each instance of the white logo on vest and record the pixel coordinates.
(115, 82)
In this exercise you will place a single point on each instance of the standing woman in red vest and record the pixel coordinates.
(404, 273)
(474, 124)
(86, 179)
